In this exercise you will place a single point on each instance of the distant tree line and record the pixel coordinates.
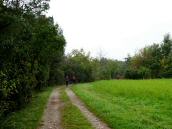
(154, 61)
(78, 63)
(31, 51)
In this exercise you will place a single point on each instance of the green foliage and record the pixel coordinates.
(78, 63)
(86, 69)
(30, 116)
(30, 45)
(152, 61)
(130, 104)
(132, 74)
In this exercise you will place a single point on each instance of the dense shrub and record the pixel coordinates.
(30, 44)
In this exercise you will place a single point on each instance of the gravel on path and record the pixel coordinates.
(51, 118)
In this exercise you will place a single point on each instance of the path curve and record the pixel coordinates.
(96, 122)
(51, 118)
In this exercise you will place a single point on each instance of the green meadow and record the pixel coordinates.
(130, 104)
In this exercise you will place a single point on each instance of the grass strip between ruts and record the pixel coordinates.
(72, 118)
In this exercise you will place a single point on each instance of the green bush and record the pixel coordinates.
(30, 43)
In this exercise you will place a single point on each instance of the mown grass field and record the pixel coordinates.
(130, 104)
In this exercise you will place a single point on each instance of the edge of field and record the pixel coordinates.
(29, 116)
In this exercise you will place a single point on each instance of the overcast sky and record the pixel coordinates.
(115, 27)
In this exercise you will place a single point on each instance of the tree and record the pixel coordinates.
(78, 64)
(30, 45)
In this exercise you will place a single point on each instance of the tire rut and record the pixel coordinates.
(96, 122)
(51, 118)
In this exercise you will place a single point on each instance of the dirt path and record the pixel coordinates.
(51, 118)
(96, 123)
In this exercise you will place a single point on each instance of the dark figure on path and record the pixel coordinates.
(67, 80)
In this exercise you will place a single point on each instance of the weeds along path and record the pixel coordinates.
(51, 118)
(96, 122)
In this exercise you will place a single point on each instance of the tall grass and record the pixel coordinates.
(130, 104)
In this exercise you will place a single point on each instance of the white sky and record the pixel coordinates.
(116, 27)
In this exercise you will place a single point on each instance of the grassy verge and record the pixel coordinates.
(72, 118)
(30, 116)
(130, 104)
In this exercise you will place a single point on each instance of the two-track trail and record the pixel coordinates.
(52, 114)
(96, 122)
